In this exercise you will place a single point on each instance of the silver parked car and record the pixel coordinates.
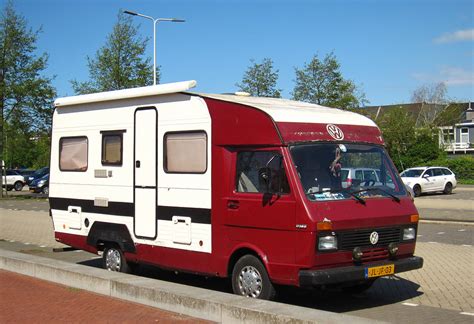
(429, 179)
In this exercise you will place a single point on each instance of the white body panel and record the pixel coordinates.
(176, 112)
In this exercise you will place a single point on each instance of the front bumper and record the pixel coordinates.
(355, 273)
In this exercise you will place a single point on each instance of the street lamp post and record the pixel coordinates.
(155, 22)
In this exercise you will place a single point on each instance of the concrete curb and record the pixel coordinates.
(192, 301)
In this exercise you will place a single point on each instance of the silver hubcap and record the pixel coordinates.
(113, 260)
(250, 282)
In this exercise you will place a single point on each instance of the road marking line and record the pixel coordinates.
(466, 313)
(410, 304)
(42, 246)
(441, 233)
(433, 242)
(419, 235)
(26, 243)
(462, 230)
(467, 245)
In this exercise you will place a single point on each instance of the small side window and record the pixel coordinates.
(261, 172)
(185, 152)
(73, 153)
(112, 148)
(447, 172)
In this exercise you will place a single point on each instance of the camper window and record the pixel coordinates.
(185, 152)
(73, 153)
(112, 146)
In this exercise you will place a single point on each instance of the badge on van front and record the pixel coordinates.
(374, 238)
(335, 132)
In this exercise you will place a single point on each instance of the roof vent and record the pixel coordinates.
(242, 94)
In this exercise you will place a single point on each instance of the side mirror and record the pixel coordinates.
(426, 176)
(264, 178)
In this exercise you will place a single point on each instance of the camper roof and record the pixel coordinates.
(126, 93)
(284, 110)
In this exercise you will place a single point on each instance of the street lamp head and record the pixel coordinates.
(130, 13)
(178, 20)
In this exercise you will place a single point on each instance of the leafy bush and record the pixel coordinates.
(463, 166)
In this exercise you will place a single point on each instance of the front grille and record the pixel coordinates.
(361, 238)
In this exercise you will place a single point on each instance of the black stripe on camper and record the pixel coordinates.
(87, 206)
(197, 215)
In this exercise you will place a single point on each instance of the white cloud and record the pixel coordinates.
(450, 75)
(457, 36)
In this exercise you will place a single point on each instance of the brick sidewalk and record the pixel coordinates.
(28, 300)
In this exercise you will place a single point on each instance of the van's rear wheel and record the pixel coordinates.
(114, 260)
(250, 279)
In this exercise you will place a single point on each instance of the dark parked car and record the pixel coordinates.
(37, 174)
(40, 185)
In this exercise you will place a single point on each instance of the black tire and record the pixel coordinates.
(18, 186)
(250, 279)
(417, 190)
(114, 260)
(45, 190)
(448, 188)
(359, 287)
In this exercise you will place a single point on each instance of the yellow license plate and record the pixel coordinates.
(384, 270)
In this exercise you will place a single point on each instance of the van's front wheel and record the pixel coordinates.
(250, 279)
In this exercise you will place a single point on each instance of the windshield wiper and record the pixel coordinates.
(395, 198)
(352, 194)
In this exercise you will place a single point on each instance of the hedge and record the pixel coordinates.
(463, 166)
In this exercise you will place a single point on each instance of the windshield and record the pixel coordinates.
(413, 173)
(330, 171)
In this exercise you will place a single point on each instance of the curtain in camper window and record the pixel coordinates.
(186, 152)
(112, 149)
(73, 154)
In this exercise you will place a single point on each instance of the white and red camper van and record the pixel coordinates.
(229, 186)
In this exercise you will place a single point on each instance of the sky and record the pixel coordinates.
(388, 48)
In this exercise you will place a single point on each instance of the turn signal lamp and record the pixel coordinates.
(414, 218)
(324, 226)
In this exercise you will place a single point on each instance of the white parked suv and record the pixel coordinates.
(429, 179)
(14, 180)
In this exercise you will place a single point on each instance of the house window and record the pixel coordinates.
(73, 153)
(112, 147)
(185, 152)
(464, 135)
(448, 135)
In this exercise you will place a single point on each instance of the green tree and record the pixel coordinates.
(120, 63)
(321, 82)
(26, 96)
(260, 80)
(408, 145)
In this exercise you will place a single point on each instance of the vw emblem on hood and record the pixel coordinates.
(335, 132)
(374, 238)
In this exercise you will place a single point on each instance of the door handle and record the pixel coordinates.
(137, 163)
(233, 204)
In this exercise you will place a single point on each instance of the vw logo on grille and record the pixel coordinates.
(335, 132)
(374, 238)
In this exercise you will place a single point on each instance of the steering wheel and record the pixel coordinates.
(370, 183)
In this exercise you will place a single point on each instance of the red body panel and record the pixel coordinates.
(304, 132)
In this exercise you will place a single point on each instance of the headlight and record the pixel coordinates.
(409, 233)
(327, 243)
(41, 183)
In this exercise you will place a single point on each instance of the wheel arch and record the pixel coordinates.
(242, 250)
(102, 233)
